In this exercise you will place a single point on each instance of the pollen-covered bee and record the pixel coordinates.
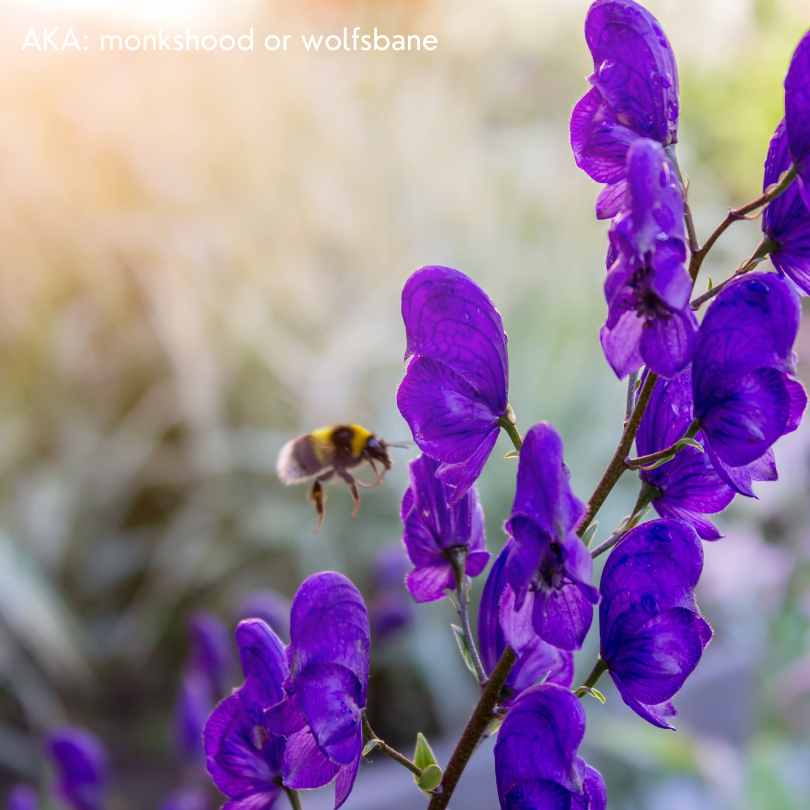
(330, 451)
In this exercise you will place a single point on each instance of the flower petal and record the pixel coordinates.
(668, 342)
(797, 109)
(305, 765)
(449, 318)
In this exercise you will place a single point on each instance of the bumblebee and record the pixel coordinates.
(330, 451)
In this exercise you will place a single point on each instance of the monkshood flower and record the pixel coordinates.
(547, 562)
(325, 693)
(243, 759)
(689, 486)
(455, 388)
(744, 393)
(634, 94)
(648, 286)
(270, 606)
(81, 768)
(786, 220)
(651, 632)
(797, 113)
(210, 650)
(499, 625)
(194, 703)
(436, 529)
(22, 797)
(390, 609)
(536, 762)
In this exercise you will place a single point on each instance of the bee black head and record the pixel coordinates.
(377, 450)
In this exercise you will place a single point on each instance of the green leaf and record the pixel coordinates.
(590, 532)
(430, 779)
(422, 753)
(595, 693)
(512, 455)
(370, 746)
(466, 655)
(660, 463)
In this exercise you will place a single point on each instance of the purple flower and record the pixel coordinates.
(210, 650)
(390, 609)
(435, 529)
(536, 761)
(647, 287)
(688, 486)
(786, 220)
(455, 387)
(270, 606)
(652, 634)
(499, 625)
(192, 798)
(81, 768)
(744, 394)
(634, 94)
(243, 759)
(547, 562)
(797, 113)
(326, 689)
(22, 797)
(192, 708)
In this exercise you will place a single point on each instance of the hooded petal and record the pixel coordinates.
(539, 739)
(599, 141)
(668, 414)
(634, 68)
(449, 318)
(543, 490)
(264, 663)
(331, 699)
(329, 624)
(448, 419)
(668, 342)
(622, 344)
(797, 111)
(751, 324)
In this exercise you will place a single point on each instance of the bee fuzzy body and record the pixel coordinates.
(330, 451)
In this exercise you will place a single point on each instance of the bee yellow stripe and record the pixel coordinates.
(360, 439)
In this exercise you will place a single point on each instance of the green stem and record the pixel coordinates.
(640, 462)
(507, 422)
(765, 247)
(599, 669)
(616, 467)
(474, 730)
(736, 214)
(389, 751)
(645, 497)
(458, 559)
(294, 798)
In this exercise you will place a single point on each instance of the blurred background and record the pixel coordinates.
(201, 256)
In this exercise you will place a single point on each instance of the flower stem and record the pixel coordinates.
(736, 214)
(507, 422)
(765, 247)
(389, 751)
(645, 497)
(616, 467)
(458, 559)
(640, 462)
(599, 669)
(474, 730)
(294, 798)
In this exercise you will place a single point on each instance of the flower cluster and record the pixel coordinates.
(708, 400)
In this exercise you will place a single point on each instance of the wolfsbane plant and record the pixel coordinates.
(706, 403)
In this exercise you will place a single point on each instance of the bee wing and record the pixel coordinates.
(289, 468)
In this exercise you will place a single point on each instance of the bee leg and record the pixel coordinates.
(318, 497)
(377, 477)
(352, 484)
